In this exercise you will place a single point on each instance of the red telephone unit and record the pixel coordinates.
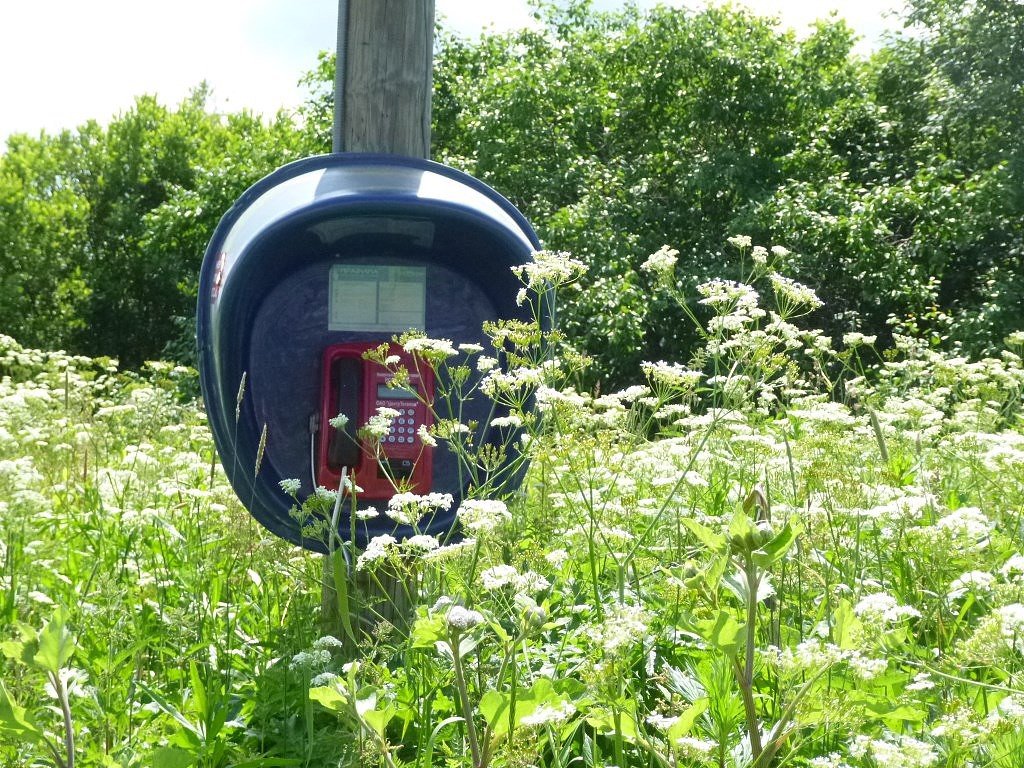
(357, 388)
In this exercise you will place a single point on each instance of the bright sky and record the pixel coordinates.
(63, 62)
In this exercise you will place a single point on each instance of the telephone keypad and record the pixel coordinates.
(404, 426)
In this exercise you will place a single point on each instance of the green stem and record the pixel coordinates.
(65, 708)
(467, 712)
(745, 676)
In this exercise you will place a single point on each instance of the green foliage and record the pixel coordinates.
(898, 181)
(104, 228)
(43, 223)
(899, 177)
(620, 133)
(779, 553)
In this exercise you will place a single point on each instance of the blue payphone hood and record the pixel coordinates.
(262, 294)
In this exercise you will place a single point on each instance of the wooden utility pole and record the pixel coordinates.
(382, 104)
(386, 56)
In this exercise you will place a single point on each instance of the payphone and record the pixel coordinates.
(318, 263)
(357, 388)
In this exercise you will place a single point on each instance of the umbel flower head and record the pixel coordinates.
(662, 263)
(461, 619)
(549, 269)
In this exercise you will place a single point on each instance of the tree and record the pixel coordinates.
(104, 229)
(43, 229)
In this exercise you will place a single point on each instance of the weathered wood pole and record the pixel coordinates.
(382, 104)
(387, 59)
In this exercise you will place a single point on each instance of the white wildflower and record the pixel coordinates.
(324, 679)
(662, 722)
(498, 576)
(671, 374)
(546, 714)
(367, 514)
(421, 543)
(793, 294)
(922, 682)
(424, 435)
(479, 515)
(883, 608)
(831, 760)
(1013, 569)
(623, 625)
(692, 748)
(557, 557)
(512, 420)
(309, 660)
(662, 262)
(858, 339)
(449, 550)
(1011, 622)
(967, 523)
(461, 619)
(549, 268)
(328, 642)
(978, 582)
(1012, 707)
(423, 502)
(379, 548)
(728, 295)
(430, 348)
(902, 751)
(378, 426)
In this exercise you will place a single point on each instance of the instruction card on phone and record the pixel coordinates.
(376, 297)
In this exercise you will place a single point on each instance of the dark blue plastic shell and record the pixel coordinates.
(262, 302)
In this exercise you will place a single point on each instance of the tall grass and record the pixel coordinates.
(778, 553)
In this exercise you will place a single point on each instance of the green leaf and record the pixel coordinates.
(198, 689)
(776, 549)
(171, 710)
(18, 651)
(378, 719)
(846, 627)
(171, 757)
(741, 524)
(894, 716)
(707, 537)
(331, 697)
(15, 720)
(429, 630)
(341, 590)
(494, 706)
(682, 726)
(56, 645)
(428, 754)
(619, 720)
(723, 632)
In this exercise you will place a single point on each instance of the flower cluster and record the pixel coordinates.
(482, 515)
(549, 269)
(662, 263)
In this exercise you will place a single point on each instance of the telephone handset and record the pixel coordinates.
(357, 388)
(342, 444)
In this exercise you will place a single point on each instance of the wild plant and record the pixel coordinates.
(780, 552)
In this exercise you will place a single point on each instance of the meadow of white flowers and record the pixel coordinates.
(785, 551)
